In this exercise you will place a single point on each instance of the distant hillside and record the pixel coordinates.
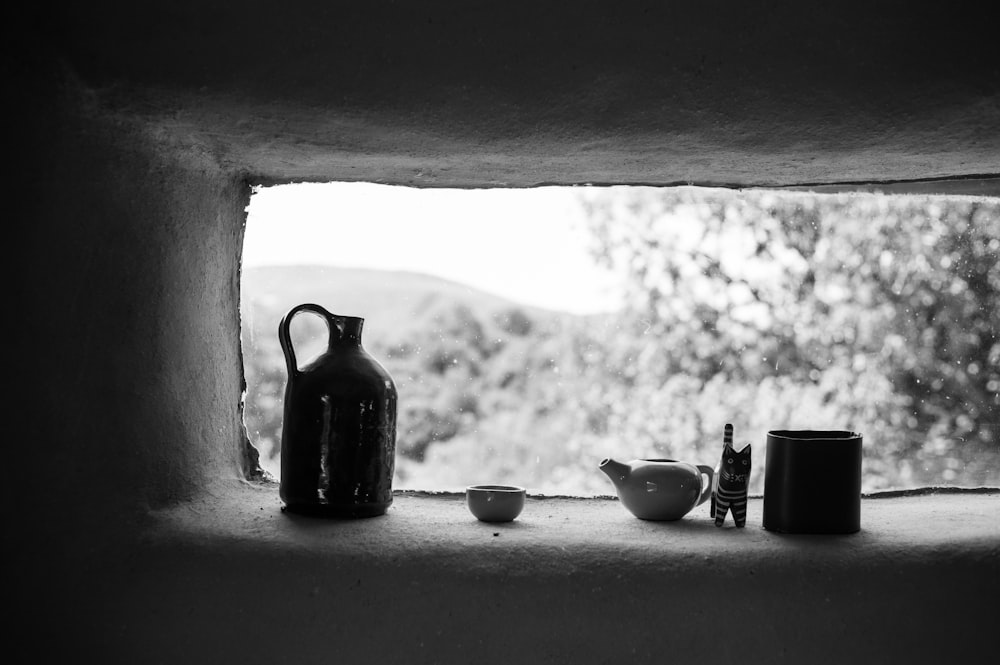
(471, 368)
(391, 302)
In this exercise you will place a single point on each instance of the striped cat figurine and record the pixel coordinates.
(729, 486)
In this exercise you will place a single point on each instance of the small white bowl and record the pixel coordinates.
(495, 503)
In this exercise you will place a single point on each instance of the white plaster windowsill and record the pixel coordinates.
(570, 581)
(576, 532)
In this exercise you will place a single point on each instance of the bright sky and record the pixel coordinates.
(528, 245)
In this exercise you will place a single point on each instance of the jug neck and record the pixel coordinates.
(349, 329)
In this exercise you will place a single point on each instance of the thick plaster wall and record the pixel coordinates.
(132, 138)
(127, 335)
(229, 578)
(521, 93)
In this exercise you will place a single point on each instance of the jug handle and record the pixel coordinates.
(707, 492)
(285, 338)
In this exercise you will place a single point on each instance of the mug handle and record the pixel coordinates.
(707, 492)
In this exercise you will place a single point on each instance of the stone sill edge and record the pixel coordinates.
(436, 530)
(879, 494)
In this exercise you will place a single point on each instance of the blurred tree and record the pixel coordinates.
(884, 308)
(768, 310)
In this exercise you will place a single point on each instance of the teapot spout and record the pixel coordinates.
(616, 471)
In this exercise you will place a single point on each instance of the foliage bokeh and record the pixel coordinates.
(770, 311)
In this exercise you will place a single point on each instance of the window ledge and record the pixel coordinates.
(572, 580)
(575, 532)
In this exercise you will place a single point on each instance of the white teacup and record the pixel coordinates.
(495, 503)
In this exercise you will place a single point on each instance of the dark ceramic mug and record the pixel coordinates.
(812, 481)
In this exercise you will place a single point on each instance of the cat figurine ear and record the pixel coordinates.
(731, 480)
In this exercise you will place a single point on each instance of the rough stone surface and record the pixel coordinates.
(450, 93)
(233, 579)
(126, 252)
(134, 132)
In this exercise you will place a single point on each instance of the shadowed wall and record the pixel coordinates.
(135, 132)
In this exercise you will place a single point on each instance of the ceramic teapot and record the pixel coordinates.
(659, 489)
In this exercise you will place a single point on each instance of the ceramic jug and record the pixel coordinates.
(659, 489)
(338, 437)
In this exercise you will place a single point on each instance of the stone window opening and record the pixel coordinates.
(805, 310)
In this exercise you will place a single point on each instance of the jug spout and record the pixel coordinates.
(616, 471)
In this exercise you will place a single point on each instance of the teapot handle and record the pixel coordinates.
(707, 492)
(285, 338)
